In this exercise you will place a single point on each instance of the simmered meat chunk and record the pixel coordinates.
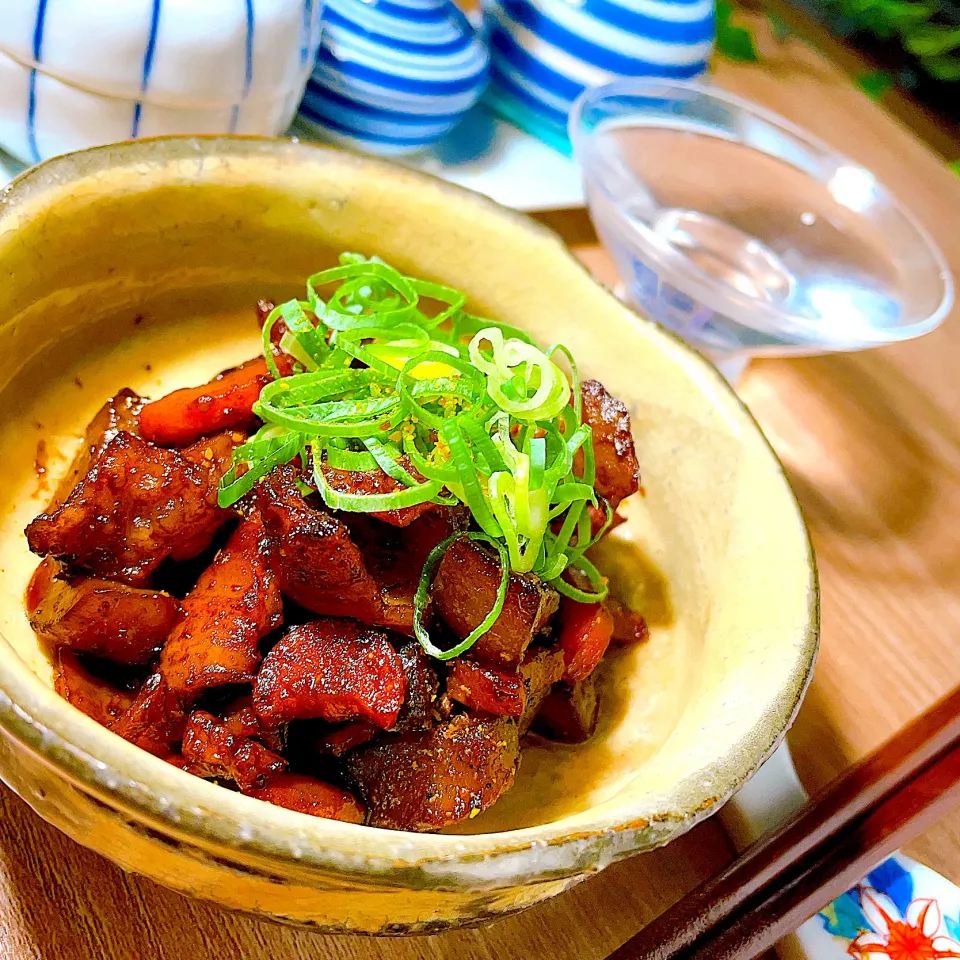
(585, 631)
(417, 540)
(213, 748)
(95, 697)
(618, 473)
(375, 482)
(465, 590)
(503, 691)
(334, 669)
(425, 781)
(319, 565)
(242, 720)
(156, 718)
(306, 795)
(422, 686)
(628, 626)
(235, 603)
(488, 689)
(108, 619)
(541, 670)
(225, 403)
(348, 737)
(118, 414)
(136, 505)
(569, 714)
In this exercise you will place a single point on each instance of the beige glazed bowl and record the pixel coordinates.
(139, 266)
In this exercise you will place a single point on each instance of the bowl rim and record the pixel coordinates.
(764, 317)
(190, 809)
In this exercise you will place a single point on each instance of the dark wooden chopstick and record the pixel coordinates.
(847, 829)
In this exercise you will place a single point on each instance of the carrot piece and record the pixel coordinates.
(585, 631)
(225, 403)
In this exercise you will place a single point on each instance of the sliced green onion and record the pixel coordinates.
(429, 468)
(540, 389)
(577, 396)
(472, 494)
(264, 457)
(353, 460)
(387, 456)
(466, 325)
(364, 502)
(597, 581)
(454, 408)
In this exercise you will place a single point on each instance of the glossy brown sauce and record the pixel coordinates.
(41, 461)
(635, 580)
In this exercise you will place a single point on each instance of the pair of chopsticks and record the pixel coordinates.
(830, 845)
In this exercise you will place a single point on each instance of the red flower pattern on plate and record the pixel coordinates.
(916, 936)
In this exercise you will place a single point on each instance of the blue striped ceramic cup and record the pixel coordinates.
(76, 73)
(544, 53)
(393, 76)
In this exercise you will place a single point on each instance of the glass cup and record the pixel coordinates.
(746, 235)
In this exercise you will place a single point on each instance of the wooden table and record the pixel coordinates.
(872, 446)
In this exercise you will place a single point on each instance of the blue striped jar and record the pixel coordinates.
(77, 73)
(393, 76)
(544, 53)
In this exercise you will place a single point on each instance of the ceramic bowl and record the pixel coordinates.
(393, 77)
(139, 265)
(545, 53)
(76, 73)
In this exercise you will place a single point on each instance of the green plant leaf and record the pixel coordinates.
(733, 42)
(942, 68)
(955, 167)
(875, 83)
(906, 16)
(932, 40)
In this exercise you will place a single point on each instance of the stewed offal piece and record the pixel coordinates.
(156, 718)
(569, 713)
(425, 781)
(101, 617)
(120, 414)
(319, 565)
(136, 505)
(346, 577)
(236, 602)
(465, 590)
(90, 694)
(211, 749)
(618, 473)
(506, 692)
(334, 669)
(304, 794)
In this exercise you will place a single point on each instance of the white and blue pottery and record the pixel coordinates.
(901, 910)
(76, 73)
(544, 53)
(393, 76)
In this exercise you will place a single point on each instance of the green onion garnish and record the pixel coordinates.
(453, 407)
